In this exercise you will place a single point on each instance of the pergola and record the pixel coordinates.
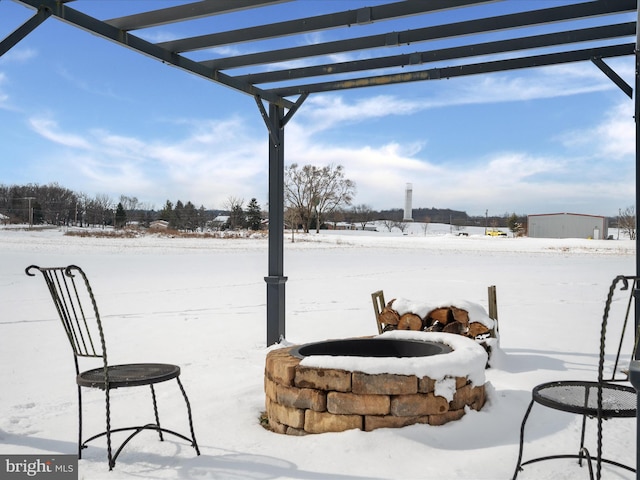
(388, 43)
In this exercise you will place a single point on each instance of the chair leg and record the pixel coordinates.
(524, 421)
(155, 411)
(585, 453)
(582, 455)
(186, 399)
(108, 431)
(79, 422)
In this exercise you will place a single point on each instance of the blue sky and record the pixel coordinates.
(100, 119)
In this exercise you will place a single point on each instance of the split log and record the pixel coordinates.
(410, 321)
(389, 316)
(440, 315)
(479, 331)
(460, 315)
(454, 327)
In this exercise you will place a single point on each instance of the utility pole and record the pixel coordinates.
(486, 220)
(30, 210)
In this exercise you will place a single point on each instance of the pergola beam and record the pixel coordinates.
(419, 58)
(181, 13)
(109, 32)
(437, 32)
(461, 70)
(25, 29)
(347, 18)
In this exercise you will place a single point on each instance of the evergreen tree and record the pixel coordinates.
(178, 216)
(190, 217)
(121, 216)
(254, 215)
(166, 213)
(237, 218)
(202, 217)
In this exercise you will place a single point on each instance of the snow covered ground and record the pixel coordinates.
(200, 303)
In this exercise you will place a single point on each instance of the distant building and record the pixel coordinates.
(159, 224)
(340, 226)
(567, 225)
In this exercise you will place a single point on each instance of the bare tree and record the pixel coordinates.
(83, 203)
(363, 214)
(131, 206)
(627, 221)
(425, 225)
(237, 217)
(299, 192)
(103, 208)
(402, 226)
(332, 192)
(314, 191)
(293, 218)
(389, 224)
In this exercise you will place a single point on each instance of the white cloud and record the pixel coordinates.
(49, 129)
(613, 138)
(82, 84)
(4, 97)
(323, 112)
(537, 83)
(616, 135)
(213, 161)
(18, 54)
(158, 36)
(519, 181)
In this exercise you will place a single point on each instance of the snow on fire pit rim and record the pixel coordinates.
(468, 359)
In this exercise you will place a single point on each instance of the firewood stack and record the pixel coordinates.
(448, 319)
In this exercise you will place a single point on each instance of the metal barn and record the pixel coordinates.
(568, 225)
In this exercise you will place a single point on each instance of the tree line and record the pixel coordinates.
(315, 198)
(313, 194)
(53, 204)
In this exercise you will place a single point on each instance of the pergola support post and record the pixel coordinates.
(275, 120)
(634, 367)
(275, 279)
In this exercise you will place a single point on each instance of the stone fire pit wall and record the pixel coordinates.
(309, 399)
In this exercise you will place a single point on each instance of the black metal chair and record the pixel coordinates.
(71, 294)
(602, 399)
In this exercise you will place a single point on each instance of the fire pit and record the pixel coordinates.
(372, 347)
(396, 379)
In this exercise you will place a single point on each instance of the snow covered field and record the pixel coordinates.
(200, 303)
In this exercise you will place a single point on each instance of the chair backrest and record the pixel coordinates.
(624, 306)
(76, 307)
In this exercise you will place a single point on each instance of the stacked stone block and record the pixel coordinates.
(302, 400)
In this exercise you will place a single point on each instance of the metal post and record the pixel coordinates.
(637, 121)
(276, 279)
(635, 361)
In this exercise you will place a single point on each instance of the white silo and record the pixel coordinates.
(408, 209)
